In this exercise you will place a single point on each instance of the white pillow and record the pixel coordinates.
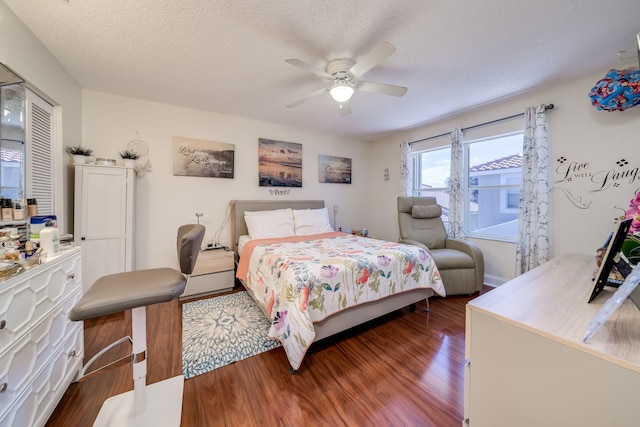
(311, 221)
(269, 224)
(254, 213)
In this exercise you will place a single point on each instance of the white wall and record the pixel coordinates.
(23, 52)
(165, 201)
(582, 209)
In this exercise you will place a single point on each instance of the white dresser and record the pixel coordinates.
(528, 365)
(40, 348)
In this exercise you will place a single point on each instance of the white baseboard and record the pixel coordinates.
(494, 281)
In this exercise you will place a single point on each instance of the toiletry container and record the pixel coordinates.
(37, 224)
(19, 211)
(50, 239)
(7, 209)
(32, 207)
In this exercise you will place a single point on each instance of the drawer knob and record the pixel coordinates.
(3, 387)
(72, 353)
(71, 276)
(3, 324)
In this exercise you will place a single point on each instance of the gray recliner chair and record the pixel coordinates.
(460, 262)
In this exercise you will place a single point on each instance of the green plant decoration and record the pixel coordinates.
(631, 248)
(79, 150)
(128, 154)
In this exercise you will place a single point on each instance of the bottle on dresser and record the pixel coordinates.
(7, 209)
(50, 239)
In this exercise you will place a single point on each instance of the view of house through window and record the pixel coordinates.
(492, 175)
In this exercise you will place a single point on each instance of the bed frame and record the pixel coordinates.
(344, 319)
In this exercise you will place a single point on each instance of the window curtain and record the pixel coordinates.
(532, 247)
(406, 169)
(456, 205)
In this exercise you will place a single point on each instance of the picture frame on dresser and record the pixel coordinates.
(629, 288)
(611, 259)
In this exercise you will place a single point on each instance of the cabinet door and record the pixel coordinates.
(103, 222)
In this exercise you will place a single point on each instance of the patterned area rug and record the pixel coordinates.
(222, 330)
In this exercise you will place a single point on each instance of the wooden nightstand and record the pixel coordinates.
(214, 272)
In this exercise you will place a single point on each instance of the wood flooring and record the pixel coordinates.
(404, 369)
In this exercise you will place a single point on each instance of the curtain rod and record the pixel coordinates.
(546, 107)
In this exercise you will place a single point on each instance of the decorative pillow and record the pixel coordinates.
(269, 224)
(426, 211)
(311, 221)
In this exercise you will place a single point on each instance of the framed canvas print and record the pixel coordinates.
(612, 259)
(279, 163)
(196, 157)
(335, 170)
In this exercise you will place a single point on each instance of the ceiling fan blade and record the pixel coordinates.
(307, 97)
(345, 108)
(310, 68)
(372, 58)
(384, 88)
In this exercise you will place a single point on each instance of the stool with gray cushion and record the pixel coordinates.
(158, 404)
(460, 262)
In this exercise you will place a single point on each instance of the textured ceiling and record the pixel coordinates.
(228, 56)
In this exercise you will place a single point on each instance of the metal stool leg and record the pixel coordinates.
(157, 404)
(139, 334)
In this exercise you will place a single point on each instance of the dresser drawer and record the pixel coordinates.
(35, 404)
(31, 298)
(34, 351)
(209, 283)
(213, 261)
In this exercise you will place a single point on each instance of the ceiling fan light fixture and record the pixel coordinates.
(341, 92)
(344, 75)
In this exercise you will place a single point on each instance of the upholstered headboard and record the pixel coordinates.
(238, 207)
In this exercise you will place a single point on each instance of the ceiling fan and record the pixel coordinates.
(344, 74)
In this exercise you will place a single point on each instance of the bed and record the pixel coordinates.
(309, 323)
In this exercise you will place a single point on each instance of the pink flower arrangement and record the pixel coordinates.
(634, 213)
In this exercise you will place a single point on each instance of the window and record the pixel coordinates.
(492, 198)
(12, 141)
(491, 183)
(432, 173)
(11, 169)
(26, 146)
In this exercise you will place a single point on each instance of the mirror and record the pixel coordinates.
(12, 136)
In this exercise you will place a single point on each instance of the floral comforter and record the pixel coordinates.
(304, 281)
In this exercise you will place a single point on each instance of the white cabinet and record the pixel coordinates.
(103, 225)
(40, 348)
(528, 365)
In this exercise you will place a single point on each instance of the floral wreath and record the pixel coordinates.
(631, 245)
